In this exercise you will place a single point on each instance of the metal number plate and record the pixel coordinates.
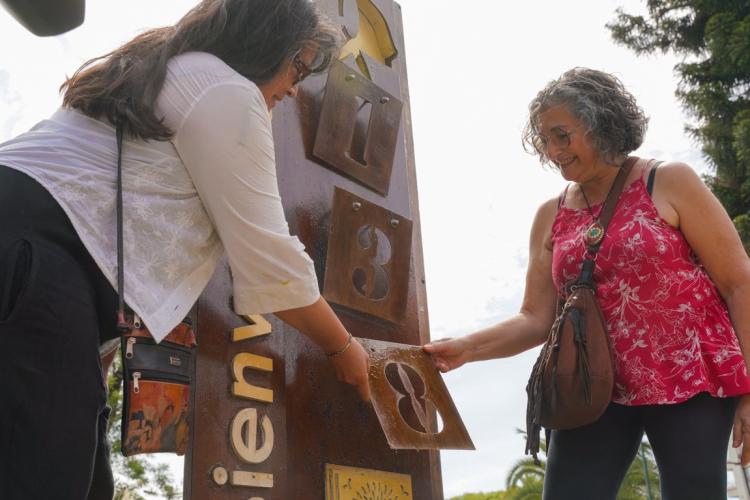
(358, 128)
(369, 252)
(405, 388)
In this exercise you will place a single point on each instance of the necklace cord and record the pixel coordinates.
(586, 199)
(609, 191)
(597, 229)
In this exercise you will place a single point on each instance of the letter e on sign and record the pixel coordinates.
(244, 436)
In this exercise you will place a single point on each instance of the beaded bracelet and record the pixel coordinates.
(341, 351)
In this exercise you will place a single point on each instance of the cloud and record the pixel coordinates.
(11, 107)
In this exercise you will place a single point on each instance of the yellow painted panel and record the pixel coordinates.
(354, 483)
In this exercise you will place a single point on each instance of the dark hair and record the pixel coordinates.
(254, 37)
(615, 123)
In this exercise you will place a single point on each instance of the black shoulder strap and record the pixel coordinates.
(122, 323)
(651, 177)
(611, 201)
(586, 277)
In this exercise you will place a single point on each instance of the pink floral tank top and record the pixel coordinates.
(670, 328)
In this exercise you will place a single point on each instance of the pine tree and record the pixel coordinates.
(713, 36)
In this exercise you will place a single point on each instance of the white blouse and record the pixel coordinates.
(211, 188)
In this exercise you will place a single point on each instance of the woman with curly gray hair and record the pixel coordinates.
(673, 284)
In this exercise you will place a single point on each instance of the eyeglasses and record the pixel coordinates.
(302, 69)
(318, 64)
(560, 139)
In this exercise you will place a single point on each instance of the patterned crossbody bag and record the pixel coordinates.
(156, 377)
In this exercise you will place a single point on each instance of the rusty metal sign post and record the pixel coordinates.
(270, 420)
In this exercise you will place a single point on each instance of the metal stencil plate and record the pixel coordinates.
(405, 388)
(358, 128)
(369, 253)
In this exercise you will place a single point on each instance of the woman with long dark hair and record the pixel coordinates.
(199, 181)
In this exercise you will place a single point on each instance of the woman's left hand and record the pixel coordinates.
(741, 431)
(448, 354)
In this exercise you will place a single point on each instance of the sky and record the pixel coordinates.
(473, 66)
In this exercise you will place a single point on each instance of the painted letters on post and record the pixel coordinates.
(243, 429)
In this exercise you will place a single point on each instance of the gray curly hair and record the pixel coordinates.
(615, 124)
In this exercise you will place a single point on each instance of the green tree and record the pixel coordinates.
(495, 495)
(526, 479)
(713, 36)
(637, 485)
(138, 475)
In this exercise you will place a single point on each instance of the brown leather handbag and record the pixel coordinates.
(572, 380)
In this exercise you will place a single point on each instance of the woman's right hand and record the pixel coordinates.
(352, 367)
(322, 326)
(448, 354)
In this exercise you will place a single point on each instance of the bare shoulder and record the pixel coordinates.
(676, 179)
(549, 205)
(681, 195)
(542, 227)
(677, 168)
(546, 212)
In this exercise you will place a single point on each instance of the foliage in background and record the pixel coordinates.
(526, 479)
(713, 36)
(497, 495)
(635, 486)
(140, 476)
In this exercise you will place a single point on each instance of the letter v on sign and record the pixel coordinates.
(241, 387)
(257, 328)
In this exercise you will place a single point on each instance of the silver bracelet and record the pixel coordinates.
(341, 351)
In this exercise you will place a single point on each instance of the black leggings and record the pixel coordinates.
(55, 308)
(689, 441)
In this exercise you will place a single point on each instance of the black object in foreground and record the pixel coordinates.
(47, 17)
